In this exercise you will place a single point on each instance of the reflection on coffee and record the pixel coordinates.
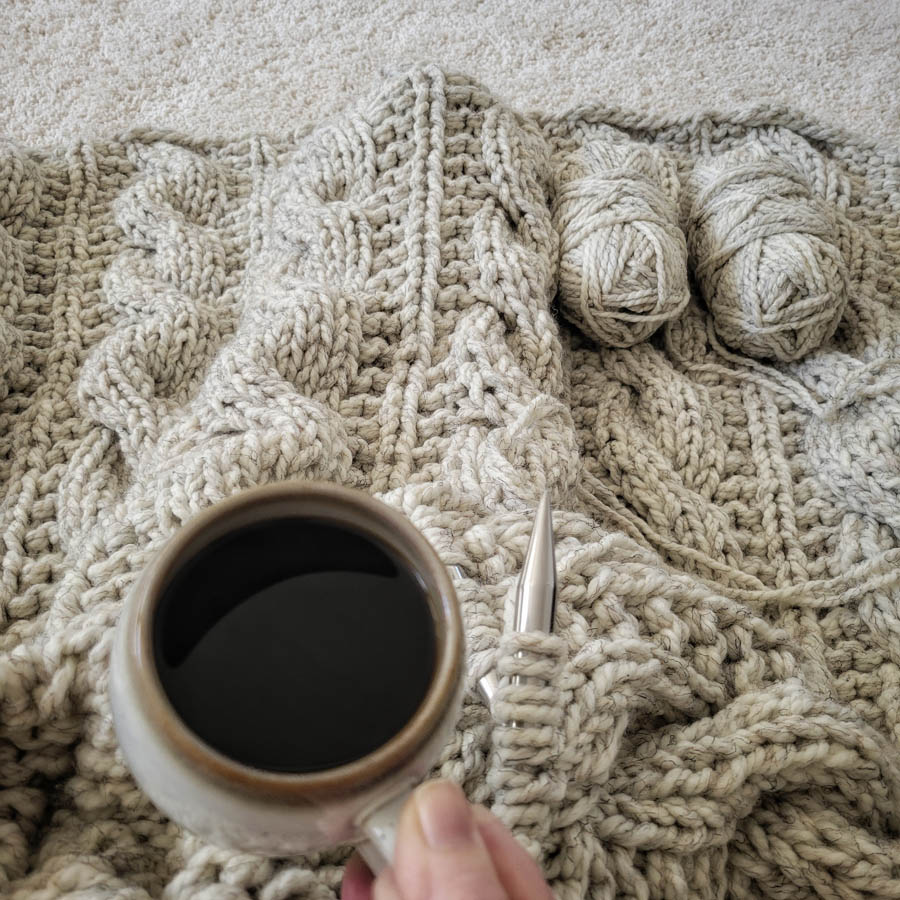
(294, 645)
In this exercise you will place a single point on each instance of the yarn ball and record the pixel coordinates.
(623, 256)
(765, 253)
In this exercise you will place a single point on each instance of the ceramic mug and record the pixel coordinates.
(274, 813)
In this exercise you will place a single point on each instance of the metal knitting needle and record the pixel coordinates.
(535, 607)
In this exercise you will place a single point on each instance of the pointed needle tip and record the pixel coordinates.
(536, 595)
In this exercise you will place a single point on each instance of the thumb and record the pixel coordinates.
(440, 854)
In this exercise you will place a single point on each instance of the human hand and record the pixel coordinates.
(449, 849)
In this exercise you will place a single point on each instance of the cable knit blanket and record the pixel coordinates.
(688, 331)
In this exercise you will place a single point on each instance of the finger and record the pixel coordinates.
(358, 878)
(519, 874)
(386, 886)
(440, 853)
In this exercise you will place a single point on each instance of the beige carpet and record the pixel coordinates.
(70, 69)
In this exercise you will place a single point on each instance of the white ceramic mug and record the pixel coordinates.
(235, 805)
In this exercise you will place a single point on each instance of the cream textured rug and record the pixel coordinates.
(73, 69)
(688, 331)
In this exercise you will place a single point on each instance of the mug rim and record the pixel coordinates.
(356, 510)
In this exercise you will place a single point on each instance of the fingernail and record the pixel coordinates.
(445, 815)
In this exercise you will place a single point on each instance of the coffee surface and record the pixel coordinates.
(295, 645)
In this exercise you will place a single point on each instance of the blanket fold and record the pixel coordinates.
(714, 407)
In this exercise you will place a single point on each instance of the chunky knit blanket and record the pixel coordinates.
(689, 332)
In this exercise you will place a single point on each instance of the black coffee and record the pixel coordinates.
(294, 645)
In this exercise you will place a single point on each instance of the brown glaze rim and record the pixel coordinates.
(340, 505)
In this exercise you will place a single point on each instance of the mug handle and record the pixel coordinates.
(380, 828)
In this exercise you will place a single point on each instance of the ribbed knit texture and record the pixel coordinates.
(373, 303)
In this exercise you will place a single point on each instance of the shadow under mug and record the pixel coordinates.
(276, 813)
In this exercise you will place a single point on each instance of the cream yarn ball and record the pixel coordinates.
(623, 256)
(765, 254)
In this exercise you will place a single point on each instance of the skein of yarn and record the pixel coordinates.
(623, 256)
(765, 253)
